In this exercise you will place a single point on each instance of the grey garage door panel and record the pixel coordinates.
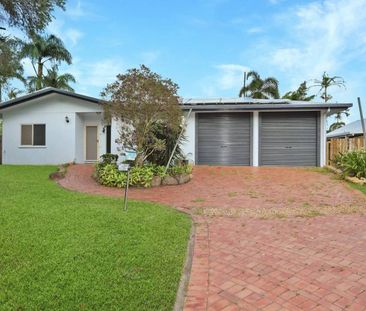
(223, 138)
(289, 139)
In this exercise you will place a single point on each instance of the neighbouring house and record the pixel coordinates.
(347, 138)
(352, 129)
(53, 126)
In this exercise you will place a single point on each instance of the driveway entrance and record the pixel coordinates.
(266, 238)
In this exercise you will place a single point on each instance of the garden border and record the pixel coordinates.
(353, 180)
(187, 269)
(60, 173)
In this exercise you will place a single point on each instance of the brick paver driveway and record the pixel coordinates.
(266, 238)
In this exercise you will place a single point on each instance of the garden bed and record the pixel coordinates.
(148, 175)
(351, 166)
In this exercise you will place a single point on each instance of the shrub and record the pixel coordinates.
(109, 158)
(140, 176)
(179, 170)
(170, 137)
(352, 163)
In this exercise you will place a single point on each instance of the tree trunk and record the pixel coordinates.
(1, 92)
(39, 74)
(139, 161)
(325, 94)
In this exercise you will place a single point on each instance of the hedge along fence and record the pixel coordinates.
(336, 146)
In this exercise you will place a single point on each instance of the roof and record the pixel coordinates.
(235, 103)
(350, 129)
(43, 92)
(240, 103)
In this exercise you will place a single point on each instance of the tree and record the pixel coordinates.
(52, 79)
(14, 92)
(43, 49)
(338, 120)
(142, 100)
(10, 63)
(300, 94)
(259, 88)
(335, 125)
(170, 136)
(28, 15)
(326, 82)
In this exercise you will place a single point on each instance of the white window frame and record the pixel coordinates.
(32, 145)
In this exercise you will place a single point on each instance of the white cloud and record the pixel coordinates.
(77, 10)
(70, 36)
(93, 77)
(255, 30)
(322, 36)
(73, 35)
(149, 57)
(230, 76)
(275, 1)
(227, 78)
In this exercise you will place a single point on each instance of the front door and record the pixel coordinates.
(91, 139)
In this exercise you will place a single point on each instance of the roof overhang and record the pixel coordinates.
(44, 92)
(249, 104)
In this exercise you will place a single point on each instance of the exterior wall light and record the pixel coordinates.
(67, 119)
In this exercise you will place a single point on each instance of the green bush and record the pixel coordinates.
(179, 170)
(352, 163)
(140, 176)
(108, 158)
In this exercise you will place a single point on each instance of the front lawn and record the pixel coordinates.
(362, 188)
(61, 250)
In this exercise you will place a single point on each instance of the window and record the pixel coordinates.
(33, 135)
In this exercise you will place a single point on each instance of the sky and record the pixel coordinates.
(206, 45)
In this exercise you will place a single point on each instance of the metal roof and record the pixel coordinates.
(350, 129)
(240, 103)
(43, 92)
(234, 103)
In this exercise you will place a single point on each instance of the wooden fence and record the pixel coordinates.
(340, 145)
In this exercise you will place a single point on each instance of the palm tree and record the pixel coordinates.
(43, 49)
(259, 88)
(327, 82)
(324, 84)
(300, 94)
(63, 81)
(14, 92)
(52, 79)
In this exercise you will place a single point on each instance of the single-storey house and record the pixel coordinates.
(352, 129)
(52, 126)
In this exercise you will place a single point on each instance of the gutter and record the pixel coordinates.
(251, 107)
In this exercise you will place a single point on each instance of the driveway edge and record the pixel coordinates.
(184, 280)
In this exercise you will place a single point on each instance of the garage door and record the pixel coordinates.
(223, 138)
(288, 138)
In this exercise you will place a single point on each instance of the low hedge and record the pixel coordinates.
(352, 163)
(108, 174)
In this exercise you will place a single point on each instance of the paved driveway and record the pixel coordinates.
(266, 238)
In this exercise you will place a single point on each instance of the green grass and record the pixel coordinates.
(362, 188)
(61, 250)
